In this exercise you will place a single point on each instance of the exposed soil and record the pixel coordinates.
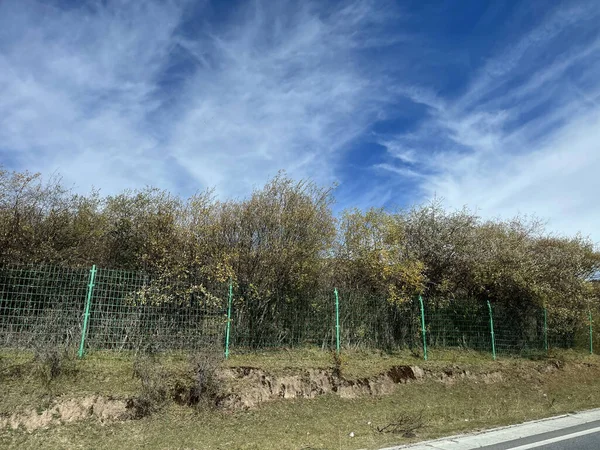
(452, 374)
(251, 386)
(248, 387)
(69, 410)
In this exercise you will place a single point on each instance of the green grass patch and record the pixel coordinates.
(526, 392)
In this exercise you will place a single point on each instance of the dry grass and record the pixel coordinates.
(356, 363)
(525, 393)
(101, 373)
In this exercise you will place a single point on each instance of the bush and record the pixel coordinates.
(196, 385)
(339, 364)
(51, 362)
(154, 389)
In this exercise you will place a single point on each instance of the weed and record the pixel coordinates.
(339, 364)
(405, 424)
(195, 385)
(49, 363)
(154, 390)
(198, 385)
(206, 387)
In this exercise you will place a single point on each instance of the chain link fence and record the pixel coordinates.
(104, 309)
(282, 321)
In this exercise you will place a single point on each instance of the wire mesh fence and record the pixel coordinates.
(105, 309)
(519, 330)
(573, 330)
(127, 310)
(457, 324)
(132, 311)
(283, 322)
(41, 305)
(372, 321)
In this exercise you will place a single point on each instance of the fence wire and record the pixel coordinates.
(128, 310)
(457, 324)
(41, 305)
(374, 322)
(46, 305)
(289, 321)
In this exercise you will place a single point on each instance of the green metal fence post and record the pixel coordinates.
(591, 334)
(492, 331)
(337, 321)
(230, 299)
(423, 332)
(86, 316)
(545, 330)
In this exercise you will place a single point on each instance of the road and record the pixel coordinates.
(578, 431)
(584, 437)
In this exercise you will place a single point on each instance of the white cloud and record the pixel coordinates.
(402, 171)
(525, 136)
(120, 94)
(293, 102)
(399, 151)
(557, 181)
(278, 86)
(77, 86)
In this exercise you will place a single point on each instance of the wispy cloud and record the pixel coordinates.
(285, 90)
(77, 88)
(402, 171)
(129, 93)
(525, 136)
(187, 94)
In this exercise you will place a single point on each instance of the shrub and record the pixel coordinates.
(154, 389)
(51, 362)
(197, 384)
(339, 364)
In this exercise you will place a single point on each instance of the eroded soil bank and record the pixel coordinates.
(252, 386)
(66, 410)
(248, 387)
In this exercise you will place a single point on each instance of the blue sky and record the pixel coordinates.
(494, 106)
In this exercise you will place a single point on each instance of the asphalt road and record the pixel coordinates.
(580, 437)
(589, 442)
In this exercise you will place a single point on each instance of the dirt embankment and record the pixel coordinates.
(68, 410)
(251, 386)
(248, 387)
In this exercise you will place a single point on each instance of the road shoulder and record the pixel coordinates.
(550, 427)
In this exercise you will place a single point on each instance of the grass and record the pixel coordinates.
(101, 373)
(325, 422)
(357, 363)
